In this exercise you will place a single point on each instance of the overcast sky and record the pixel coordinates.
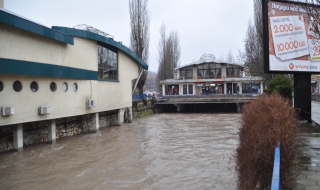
(204, 26)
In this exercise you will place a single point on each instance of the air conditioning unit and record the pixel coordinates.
(91, 103)
(7, 110)
(43, 110)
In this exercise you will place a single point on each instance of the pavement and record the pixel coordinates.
(309, 178)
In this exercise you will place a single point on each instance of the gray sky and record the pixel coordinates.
(204, 26)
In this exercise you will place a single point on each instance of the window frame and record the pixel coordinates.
(115, 59)
(233, 69)
(209, 71)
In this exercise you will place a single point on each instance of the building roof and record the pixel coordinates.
(17, 21)
(64, 34)
(109, 42)
(207, 58)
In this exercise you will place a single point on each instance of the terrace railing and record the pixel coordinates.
(212, 96)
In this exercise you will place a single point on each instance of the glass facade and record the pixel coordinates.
(233, 88)
(233, 70)
(203, 89)
(217, 84)
(185, 90)
(107, 64)
(186, 72)
(190, 89)
(209, 71)
(251, 87)
(172, 89)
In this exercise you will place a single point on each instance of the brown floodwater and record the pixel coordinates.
(162, 151)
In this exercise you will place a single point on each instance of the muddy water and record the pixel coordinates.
(163, 151)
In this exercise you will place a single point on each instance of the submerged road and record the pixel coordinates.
(162, 151)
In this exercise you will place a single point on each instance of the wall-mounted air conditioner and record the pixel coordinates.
(7, 110)
(91, 103)
(43, 110)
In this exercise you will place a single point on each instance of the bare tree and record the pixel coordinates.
(162, 55)
(169, 54)
(229, 57)
(252, 57)
(139, 38)
(311, 7)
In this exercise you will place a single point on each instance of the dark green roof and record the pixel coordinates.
(103, 40)
(17, 21)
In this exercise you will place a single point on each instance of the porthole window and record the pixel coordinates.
(17, 86)
(75, 87)
(34, 86)
(64, 87)
(1, 86)
(53, 87)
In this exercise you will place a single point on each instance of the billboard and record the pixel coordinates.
(291, 38)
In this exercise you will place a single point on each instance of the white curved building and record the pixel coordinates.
(56, 80)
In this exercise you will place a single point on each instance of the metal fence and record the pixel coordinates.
(276, 185)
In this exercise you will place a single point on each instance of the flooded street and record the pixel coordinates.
(162, 151)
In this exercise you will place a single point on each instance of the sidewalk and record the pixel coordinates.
(315, 110)
(309, 178)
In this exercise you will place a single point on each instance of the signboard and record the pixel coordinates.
(291, 43)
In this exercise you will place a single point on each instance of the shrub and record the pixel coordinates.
(145, 102)
(281, 85)
(266, 121)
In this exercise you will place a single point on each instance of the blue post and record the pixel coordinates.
(276, 185)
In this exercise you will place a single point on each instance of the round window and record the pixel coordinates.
(53, 86)
(1, 86)
(75, 87)
(64, 86)
(17, 86)
(34, 86)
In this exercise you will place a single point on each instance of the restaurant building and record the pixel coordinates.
(209, 75)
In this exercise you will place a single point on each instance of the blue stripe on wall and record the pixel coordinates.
(17, 67)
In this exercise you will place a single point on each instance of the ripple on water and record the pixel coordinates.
(163, 151)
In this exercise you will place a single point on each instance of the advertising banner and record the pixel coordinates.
(294, 44)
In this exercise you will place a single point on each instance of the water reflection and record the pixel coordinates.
(163, 151)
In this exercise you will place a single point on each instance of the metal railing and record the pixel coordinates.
(139, 96)
(276, 183)
(207, 96)
(144, 96)
(212, 96)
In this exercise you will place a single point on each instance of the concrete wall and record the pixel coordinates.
(83, 54)
(62, 104)
(195, 72)
(37, 132)
(22, 45)
(115, 95)
(223, 71)
(1, 4)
